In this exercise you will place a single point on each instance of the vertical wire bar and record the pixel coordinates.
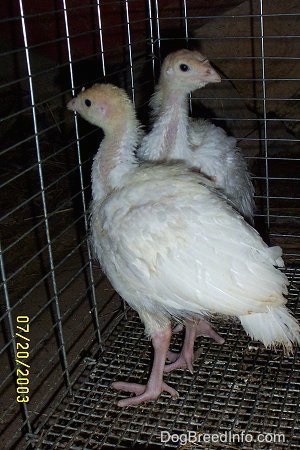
(101, 38)
(130, 51)
(132, 87)
(158, 29)
(187, 43)
(152, 39)
(23, 406)
(6, 298)
(185, 22)
(86, 225)
(47, 230)
(264, 113)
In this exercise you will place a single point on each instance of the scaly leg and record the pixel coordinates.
(186, 357)
(155, 385)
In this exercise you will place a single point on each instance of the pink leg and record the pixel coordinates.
(155, 385)
(203, 328)
(186, 357)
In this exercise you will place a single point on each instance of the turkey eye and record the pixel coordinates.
(184, 67)
(87, 102)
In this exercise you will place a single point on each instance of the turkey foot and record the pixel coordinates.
(186, 357)
(155, 385)
(203, 328)
(143, 392)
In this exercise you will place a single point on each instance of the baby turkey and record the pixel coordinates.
(203, 146)
(172, 246)
(210, 149)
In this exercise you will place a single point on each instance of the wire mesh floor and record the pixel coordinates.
(238, 387)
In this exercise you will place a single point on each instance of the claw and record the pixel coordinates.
(155, 385)
(143, 392)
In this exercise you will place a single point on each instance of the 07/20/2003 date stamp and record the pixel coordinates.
(22, 356)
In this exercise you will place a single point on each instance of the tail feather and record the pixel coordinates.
(276, 327)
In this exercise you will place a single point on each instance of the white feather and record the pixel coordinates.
(168, 258)
(272, 327)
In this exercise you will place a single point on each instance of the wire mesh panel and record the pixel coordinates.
(56, 304)
(239, 386)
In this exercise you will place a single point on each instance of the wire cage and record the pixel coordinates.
(65, 334)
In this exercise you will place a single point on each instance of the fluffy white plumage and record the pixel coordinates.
(171, 246)
(209, 148)
(201, 145)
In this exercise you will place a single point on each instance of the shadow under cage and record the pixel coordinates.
(65, 334)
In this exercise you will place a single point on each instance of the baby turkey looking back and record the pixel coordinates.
(202, 146)
(171, 245)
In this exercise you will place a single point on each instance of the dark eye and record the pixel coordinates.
(184, 67)
(87, 102)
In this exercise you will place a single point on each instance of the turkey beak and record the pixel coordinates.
(210, 73)
(71, 105)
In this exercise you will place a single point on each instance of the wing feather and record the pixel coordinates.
(174, 243)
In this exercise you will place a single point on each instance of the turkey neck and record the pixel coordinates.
(115, 158)
(173, 124)
(175, 110)
(168, 137)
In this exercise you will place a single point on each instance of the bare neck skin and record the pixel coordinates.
(115, 158)
(168, 137)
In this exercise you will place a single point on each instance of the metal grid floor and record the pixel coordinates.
(240, 386)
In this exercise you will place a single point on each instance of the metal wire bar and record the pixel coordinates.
(230, 16)
(23, 405)
(94, 310)
(265, 142)
(129, 42)
(157, 19)
(185, 19)
(101, 38)
(29, 199)
(47, 231)
(152, 37)
(174, 17)
(11, 329)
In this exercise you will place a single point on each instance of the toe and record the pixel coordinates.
(143, 393)
(172, 356)
(135, 388)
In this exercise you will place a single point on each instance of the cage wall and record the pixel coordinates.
(58, 310)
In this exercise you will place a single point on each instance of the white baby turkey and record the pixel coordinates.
(172, 246)
(210, 149)
(202, 145)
